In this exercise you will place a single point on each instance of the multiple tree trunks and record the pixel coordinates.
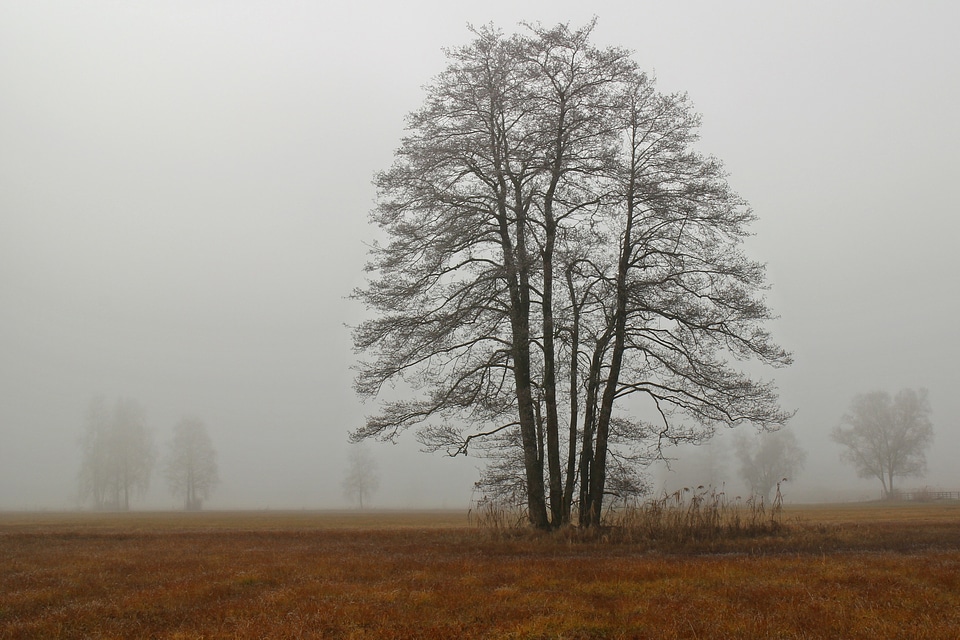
(555, 246)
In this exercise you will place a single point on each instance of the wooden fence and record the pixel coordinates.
(929, 496)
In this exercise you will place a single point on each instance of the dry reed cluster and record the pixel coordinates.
(688, 515)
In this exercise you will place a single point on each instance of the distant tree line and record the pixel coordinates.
(119, 457)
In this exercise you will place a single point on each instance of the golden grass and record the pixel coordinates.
(155, 521)
(851, 572)
(874, 512)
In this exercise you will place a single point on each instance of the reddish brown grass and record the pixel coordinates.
(831, 573)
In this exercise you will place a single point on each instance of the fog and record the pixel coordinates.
(184, 189)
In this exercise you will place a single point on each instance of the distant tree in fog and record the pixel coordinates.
(768, 458)
(887, 437)
(191, 464)
(118, 454)
(362, 479)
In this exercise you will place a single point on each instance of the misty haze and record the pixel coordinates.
(184, 200)
(488, 320)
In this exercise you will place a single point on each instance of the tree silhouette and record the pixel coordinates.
(191, 464)
(888, 436)
(555, 245)
(766, 459)
(118, 454)
(362, 479)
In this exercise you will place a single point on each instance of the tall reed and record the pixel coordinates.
(687, 515)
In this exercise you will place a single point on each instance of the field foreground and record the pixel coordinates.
(851, 572)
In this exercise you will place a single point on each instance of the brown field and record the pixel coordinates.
(860, 571)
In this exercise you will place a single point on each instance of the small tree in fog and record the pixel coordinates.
(191, 465)
(118, 454)
(767, 458)
(887, 437)
(362, 479)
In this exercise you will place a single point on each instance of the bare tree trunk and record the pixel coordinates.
(589, 428)
(599, 467)
(519, 285)
(574, 402)
(533, 463)
(550, 379)
(549, 350)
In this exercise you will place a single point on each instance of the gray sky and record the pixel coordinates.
(184, 189)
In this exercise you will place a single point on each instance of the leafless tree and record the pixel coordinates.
(887, 437)
(191, 464)
(556, 245)
(362, 479)
(118, 454)
(767, 458)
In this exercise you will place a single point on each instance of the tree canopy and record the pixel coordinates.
(767, 459)
(362, 479)
(118, 454)
(887, 436)
(191, 464)
(555, 245)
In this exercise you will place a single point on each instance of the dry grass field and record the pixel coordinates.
(863, 571)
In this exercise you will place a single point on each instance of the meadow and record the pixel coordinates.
(842, 571)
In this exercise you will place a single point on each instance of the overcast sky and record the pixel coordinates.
(184, 189)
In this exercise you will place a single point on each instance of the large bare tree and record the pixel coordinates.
(887, 436)
(555, 245)
(118, 454)
(191, 464)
